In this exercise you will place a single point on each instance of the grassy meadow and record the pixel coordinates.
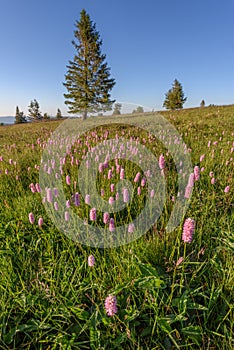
(170, 294)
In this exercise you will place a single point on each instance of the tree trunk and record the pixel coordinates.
(85, 114)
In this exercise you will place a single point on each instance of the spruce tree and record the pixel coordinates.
(88, 80)
(19, 116)
(202, 104)
(117, 109)
(34, 111)
(59, 114)
(175, 97)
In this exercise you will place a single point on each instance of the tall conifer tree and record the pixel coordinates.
(175, 97)
(88, 80)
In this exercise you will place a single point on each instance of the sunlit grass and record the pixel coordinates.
(52, 299)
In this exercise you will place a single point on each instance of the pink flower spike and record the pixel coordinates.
(68, 180)
(137, 177)
(32, 188)
(112, 187)
(87, 199)
(38, 188)
(121, 175)
(31, 218)
(56, 206)
(161, 162)
(131, 227)
(143, 181)
(188, 192)
(111, 305)
(125, 195)
(212, 180)
(227, 189)
(196, 173)
(188, 230)
(40, 222)
(49, 195)
(179, 261)
(191, 180)
(106, 218)
(91, 260)
(202, 157)
(112, 225)
(93, 214)
(66, 216)
(111, 200)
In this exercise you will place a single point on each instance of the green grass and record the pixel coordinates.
(52, 299)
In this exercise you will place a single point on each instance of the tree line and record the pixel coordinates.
(34, 114)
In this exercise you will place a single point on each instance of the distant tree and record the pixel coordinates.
(46, 116)
(33, 110)
(139, 109)
(117, 109)
(88, 77)
(19, 116)
(202, 104)
(59, 114)
(174, 97)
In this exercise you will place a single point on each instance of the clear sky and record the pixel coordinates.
(147, 45)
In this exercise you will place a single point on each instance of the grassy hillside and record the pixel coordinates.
(170, 294)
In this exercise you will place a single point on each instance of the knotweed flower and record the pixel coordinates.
(112, 225)
(111, 200)
(137, 177)
(49, 195)
(66, 216)
(131, 227)
(191, 180)
(179, 261)
(32, 188)
(40, 222)
(56, 205)
(31, 218)
(125, 195)
(106, 218)
(77, 199)
(152, 193)
(143, 181)
(227, 189)
(38, 188)
(139, 191)
(211, 174)
(93, 214)
(87, 199)
(212, 180)
(196, 173)
(188, 230)
(102, 192)
(202, 157)
(111, 305)
(110, 174)
(161, 162)
(68, 203)
(68, 180)
(112, 187)
(121, 175)
(188, 191)
(91, 260)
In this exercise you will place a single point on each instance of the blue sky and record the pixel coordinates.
(147, 45)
